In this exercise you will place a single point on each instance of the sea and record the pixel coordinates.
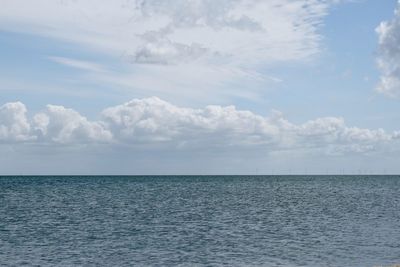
(200, 221)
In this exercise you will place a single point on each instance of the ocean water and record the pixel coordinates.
(200, 221)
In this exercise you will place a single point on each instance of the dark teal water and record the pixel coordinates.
(200, 221)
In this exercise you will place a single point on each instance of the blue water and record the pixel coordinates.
(200, 221)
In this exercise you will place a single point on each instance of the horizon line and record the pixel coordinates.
(182, 175)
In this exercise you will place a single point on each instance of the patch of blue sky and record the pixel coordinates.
(341, 81)
(30, 75)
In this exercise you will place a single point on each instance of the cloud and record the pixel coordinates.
(389, 55)
(239, 30)
(166, 52)
(154, 120)
(79, 64)
(65, 126)
(337, 138)
(14, 125)
(191, 51)
(152, 123)
(227, 40)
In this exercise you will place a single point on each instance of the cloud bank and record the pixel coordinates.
(154, 123)
(389, 55)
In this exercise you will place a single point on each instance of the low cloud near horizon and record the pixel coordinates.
(174, 58)
(152, 136)
(157, 122)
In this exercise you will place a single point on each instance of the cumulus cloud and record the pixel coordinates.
(14, 125)
(156, 123)
(153, 119)
(337, 138)
(61, 125)
(389, 55)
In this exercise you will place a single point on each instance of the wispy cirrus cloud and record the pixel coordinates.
(78, 64)
(224, 42)
(239, 30)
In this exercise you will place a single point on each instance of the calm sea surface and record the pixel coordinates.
(200, 221)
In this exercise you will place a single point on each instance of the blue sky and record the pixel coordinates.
(199, 86)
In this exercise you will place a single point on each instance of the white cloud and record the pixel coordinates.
(188, 83)
(389, 56)
(166, 52)
(206, 48)
(152, 119)
(154, 123)
(61, 125)
(14, 125)
(79, 64)
(245, 29)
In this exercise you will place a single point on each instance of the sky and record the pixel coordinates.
(199, 87)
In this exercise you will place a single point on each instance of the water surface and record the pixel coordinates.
(200, 221)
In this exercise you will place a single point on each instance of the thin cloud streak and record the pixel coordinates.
(79, 64)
